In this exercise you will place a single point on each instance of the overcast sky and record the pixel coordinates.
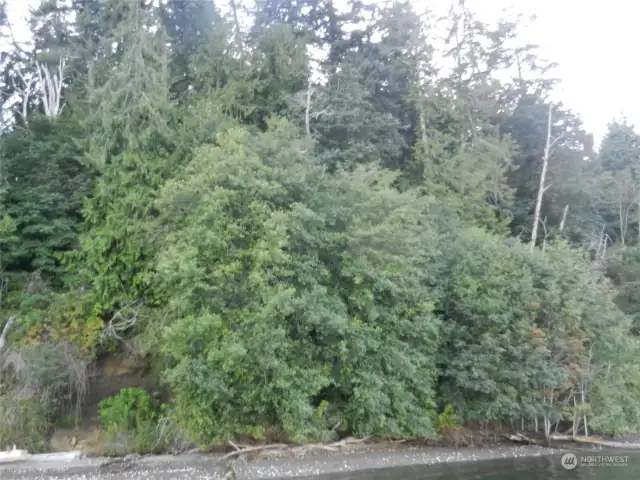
(591, 41)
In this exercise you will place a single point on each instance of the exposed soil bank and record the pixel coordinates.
(202, 466)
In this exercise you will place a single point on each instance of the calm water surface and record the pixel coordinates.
(535, 468)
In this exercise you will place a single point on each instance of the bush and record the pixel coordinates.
(447, 418)
(130, 421)
(23, 423)
(54, 374)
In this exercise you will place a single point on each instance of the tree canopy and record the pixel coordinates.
(308, 226)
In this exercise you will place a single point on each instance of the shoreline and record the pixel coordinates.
(202, 465)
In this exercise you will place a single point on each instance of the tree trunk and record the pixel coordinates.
(576, 420)
(423, 127)
(543, 176)
(5, 332)
(638, 223)
(623, 231)
(51, 88)
(307, 110)
(584, 415)
(564, 217)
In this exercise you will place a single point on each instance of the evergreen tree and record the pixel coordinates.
(129, 144)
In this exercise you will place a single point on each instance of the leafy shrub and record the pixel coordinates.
(447, 418)
(72, 317)
(130, 419)
(23, 423)
(39, 384)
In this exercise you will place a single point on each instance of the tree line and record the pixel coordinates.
(307, 225)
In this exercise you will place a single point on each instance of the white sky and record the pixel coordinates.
(592, 42)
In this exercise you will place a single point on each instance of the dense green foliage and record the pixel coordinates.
(131, 418)
(307, 244)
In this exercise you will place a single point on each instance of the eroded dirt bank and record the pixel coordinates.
(202, 466)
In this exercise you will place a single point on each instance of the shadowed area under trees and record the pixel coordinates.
(306, 227)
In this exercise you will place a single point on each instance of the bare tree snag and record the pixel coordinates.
(304, 100)
(307, 110)
(564, 217)
(548, 149)
(546, 233)
(5, 332)
(51, 88)
(24, 91)
(638, 221)
(423, 127)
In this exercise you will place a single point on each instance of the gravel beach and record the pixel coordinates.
(201, 466)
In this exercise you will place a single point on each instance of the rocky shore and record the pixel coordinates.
(206, 466)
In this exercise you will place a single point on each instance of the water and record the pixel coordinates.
(534, 468)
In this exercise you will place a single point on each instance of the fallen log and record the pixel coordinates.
(243, 451)
(593, 441)
(295, 450)
(522, 438)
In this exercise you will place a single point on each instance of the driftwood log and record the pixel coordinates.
(594, 441)
(240, 450)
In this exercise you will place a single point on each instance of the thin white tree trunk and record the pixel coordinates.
(543, 187)
(564, 217)
(576, 420)
(307, 110)
(25, 93)
(5, 332)
(639, 223)
(623, 231)
(51, 88)
(584, 415)
(423, 126)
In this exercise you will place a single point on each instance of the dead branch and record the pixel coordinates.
(122, 320)
(546, 233)
(51, 88)
(243, 451)
(160, 431)
(601, 251)
(304, 101)
(24, 91)
(282, 448)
